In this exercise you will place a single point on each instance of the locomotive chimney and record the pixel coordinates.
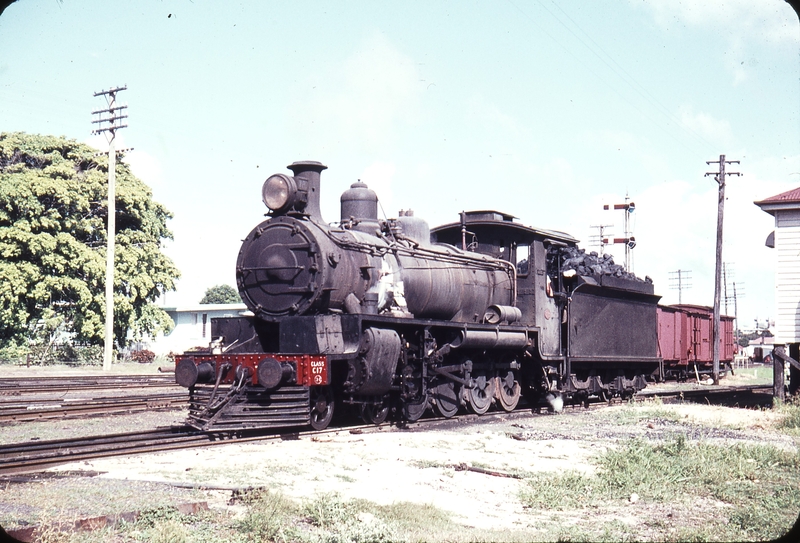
(309, 171)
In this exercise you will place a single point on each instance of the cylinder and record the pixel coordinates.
(371, 373)
(272, 373)
(496, 314)
(487, 339)
(188, 373)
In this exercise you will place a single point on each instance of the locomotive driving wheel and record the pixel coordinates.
(375, 413)
(446, 399)
(479, 397)
(321, 407)
(508, 391)
(413, 411)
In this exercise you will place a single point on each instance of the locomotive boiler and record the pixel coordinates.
(393, 318)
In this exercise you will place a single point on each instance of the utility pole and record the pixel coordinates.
(680, 280)
(600, 239)
(720, 179)
(108, 122)
(736, 312)
(737, 288)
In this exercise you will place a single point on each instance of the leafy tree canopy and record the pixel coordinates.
(53, 211)
(221, 294)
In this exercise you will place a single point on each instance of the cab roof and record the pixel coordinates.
(496, 222)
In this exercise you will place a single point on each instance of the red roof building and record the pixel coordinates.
(785, 239)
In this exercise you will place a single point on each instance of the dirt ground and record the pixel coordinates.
(417, 465)
(426, 465)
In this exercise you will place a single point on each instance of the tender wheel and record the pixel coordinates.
(508, 391)
(479, 398)
(446, 399)
(375, 413)
(414, 411)
(321, 407)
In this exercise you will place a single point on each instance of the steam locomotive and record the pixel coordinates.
(395, 319)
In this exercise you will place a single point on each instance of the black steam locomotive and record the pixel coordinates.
(393, 318)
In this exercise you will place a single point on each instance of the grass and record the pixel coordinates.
(271, 517)
(649, 409)
(790, 421)
(759, 484)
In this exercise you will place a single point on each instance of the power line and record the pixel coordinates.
(625, 76)
(680, 281)
(600, 239)
(644, 114)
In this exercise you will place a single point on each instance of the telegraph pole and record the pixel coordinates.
(680, 281)
(600, 239)
(719, 177)
(109, 121)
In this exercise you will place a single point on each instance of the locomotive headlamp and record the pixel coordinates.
(279, 192)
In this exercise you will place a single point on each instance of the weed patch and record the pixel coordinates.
(790, 423)
(762, 483)
(268, 516)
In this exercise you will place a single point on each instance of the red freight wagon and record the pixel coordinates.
(684, 340)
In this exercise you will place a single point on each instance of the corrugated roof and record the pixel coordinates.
(790, 196)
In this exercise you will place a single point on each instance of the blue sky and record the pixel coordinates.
(545, 110)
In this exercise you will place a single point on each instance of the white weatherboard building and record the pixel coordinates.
(785, 239)
(192, 326)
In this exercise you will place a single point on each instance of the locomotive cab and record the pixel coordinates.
(500, 235)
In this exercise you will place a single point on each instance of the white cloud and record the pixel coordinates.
(364, 99)
(379, 176)
(748, 25)
(143, 165)
(715, 131)
(765, 18)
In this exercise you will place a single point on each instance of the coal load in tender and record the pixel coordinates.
(573, 258)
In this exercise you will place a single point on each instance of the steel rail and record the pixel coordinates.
(21, 385)
(36, 456)
(46, 409)
(737, 395)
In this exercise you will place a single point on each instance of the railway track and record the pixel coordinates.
(27, 410)
(16, 386)
(39, 455)
(730, 396)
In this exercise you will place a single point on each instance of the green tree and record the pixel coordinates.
(221, 294)
(53, 211)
